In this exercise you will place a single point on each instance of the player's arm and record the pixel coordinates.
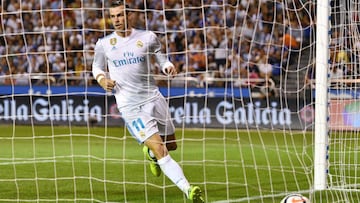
(98, 68)
(167, 67)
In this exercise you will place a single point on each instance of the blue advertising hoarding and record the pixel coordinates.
(96, 90)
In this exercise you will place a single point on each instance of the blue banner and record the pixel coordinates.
(236, 92)
(96, 90)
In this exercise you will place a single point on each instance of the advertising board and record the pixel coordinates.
(194, 112)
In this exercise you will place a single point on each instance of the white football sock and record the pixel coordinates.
(174, 172)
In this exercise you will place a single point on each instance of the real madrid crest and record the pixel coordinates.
(113, 41)
(139, 44)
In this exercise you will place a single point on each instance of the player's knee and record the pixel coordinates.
(159, 150)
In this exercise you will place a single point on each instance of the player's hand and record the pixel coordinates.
(107, 84)
(170, 71)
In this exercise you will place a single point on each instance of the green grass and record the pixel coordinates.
(78, 164)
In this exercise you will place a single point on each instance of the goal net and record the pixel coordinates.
(344, 97)
(243, 102)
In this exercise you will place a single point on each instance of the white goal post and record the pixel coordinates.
(321, 96)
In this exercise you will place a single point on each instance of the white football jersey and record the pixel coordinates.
(128, 62)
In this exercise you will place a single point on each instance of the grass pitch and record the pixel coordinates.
(80, 164)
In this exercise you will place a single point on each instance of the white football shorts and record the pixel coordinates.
(148, 119)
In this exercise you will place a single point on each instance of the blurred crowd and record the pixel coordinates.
(211, 42)
(344, 48)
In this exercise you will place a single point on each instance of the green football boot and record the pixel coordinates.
(194, 194)
(154, 166)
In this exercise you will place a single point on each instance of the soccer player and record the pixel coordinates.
(126, 53)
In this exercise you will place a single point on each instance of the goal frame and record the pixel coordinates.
(321, 142)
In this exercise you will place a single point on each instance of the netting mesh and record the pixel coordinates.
(246, 83)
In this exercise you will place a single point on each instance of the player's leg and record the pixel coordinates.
(141, 125)
(158, 120)
(159, 111)
(171, 168)
(154, 166)
(165, 124)
(171, 145)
